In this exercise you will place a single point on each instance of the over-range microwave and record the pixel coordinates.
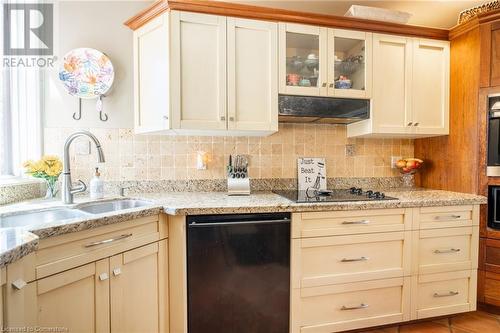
(493, 166)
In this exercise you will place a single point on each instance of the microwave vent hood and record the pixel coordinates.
(325, 110)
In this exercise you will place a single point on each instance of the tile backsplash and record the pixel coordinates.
(159, 157)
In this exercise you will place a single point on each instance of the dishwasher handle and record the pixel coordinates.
(213, 224)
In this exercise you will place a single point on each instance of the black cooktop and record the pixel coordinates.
(352, 194)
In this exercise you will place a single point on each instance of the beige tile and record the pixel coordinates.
(131, 156)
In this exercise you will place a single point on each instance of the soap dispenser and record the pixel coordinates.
(96, 186)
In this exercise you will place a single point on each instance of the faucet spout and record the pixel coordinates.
(68, 190)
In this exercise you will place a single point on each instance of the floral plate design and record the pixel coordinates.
(86, 73)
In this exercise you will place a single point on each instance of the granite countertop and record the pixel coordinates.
(19, 241)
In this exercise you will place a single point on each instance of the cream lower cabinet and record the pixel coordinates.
(410, 89)
(356, 269)
(138, 283)
(124, 293)
(201, 74)
(3, 277)
(76, 300)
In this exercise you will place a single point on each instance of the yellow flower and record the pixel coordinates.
(48, 165)
(39, 166)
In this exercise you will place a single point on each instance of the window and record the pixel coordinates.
(20, 113)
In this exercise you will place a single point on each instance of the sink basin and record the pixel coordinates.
(111, 206)
(41, 217)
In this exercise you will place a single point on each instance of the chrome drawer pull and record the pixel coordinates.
(356, 222)
(354, 259)
(447, 217)
(19, 284)
(452, 250)
(106, 241)
(450, 293)
(361, 306)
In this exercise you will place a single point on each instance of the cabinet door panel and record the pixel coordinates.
(302, 59)
(77, 299)
(135, 291)
(391, 108)
(430, 87)
(349, 58)
(252, 75)
(151, 104)
(198, 66)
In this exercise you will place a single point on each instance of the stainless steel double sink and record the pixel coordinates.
(23, 219)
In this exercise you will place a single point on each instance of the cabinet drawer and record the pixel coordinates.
(344, 259)
(443, 293)
(316, 224)
(354, 305)
(492, 288)
(445, 217)
(444, 250)
(70, 250)
(491, 248)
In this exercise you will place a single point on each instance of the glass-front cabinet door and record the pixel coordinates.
(349, 63)
(303, 60)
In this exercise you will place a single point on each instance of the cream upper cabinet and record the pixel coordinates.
(410, 89)
(431, 86)
(201, 74)
(152, 96)
(303, 68)
(391, 108)
(76, 299)
(349, 63)
(198, 66)
(252, 75)
(318, 61)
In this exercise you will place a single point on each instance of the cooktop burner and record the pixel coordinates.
(352, 194)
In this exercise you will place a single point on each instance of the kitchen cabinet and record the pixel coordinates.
(3, 277)
(349, 63)
(303, 59)
(77, 299)
(318, 61)
(410, 89)
(212, 75)
(422, 262)
(138, 283)
(127, 292)
(430, 87)
(198, 65)
(252, 71)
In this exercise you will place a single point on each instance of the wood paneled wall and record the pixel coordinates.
(452, 161)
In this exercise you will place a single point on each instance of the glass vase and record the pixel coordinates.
(51, 189)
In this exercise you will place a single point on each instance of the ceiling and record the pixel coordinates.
(437, 14)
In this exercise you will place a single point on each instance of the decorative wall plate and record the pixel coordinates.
(86, 73)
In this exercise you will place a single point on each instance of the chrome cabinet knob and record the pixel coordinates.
(331, 85)
(222, 118)
(165, 117)
(416, 124)
(117, 271)
(410, 123)
(324, 84)
(103, 276)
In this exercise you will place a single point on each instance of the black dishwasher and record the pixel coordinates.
(238, 273)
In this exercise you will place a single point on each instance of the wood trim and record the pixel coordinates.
(483, 18)
(146, 15)
(281, 15)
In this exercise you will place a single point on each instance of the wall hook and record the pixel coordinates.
(78, 116)
(103, 116)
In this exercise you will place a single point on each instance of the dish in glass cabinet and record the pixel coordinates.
(86, 73)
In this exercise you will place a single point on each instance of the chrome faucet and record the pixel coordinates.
(68, 190)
